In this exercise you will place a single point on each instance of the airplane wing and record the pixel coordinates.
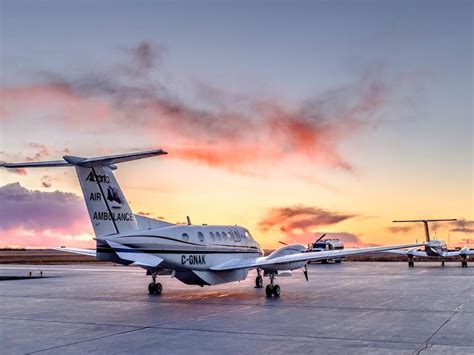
(285, 260)
(463, 251)
(413, 252)
(88, 252)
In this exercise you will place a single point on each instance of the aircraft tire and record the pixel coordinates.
(442, 263)
(259, 282)
(269, 291)
(276, 291)
(152, 288)
(159, 289)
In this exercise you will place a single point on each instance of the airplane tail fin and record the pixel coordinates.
(108, 209)
(425, 223)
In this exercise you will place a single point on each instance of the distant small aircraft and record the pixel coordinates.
(433, 248)
(194, 254)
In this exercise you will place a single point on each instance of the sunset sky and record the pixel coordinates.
(288, 118)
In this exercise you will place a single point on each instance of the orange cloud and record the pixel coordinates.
(299, 218)
(463, 226)
(401, 229)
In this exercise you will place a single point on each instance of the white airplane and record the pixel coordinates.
(194, 254)
(433, 248)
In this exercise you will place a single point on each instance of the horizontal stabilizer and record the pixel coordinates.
(36, 164)
(88, 252)
(69, 160)
(135, 256)
(112, 159)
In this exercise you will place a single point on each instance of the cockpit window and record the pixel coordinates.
(248, 235)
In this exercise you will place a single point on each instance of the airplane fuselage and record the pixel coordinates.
(436, 248)
(189, 250)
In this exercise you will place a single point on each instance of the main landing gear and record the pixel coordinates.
(272, 290)
(411, 262)
(464, 261)
(154, 288)
(442, 262)
(259, 280)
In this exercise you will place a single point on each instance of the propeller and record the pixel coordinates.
(310, 245)
(305, 272)
(321, 237)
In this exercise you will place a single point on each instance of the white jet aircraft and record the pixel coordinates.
(194, 254)
(433, 248)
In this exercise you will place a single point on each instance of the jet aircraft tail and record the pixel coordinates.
(108, 208)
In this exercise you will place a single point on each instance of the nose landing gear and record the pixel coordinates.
(464, 261)
(259, 280)
(272, 289)
(411, 261)
(154, 288)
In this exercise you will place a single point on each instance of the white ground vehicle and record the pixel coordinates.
(326, 245)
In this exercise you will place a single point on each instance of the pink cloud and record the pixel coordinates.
(20, 237)
(30, 217)
(248, 134)
(53, 102)
(19, 171)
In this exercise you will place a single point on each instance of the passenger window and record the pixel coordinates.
(236, 236)
(224, 236)
(185, 237)
(212, 236)
(201, 237)
(218, 236)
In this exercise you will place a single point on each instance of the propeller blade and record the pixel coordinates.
(305, 272)
(321, 237)
(282, 242)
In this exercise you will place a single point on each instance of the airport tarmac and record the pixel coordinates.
(353, 307)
